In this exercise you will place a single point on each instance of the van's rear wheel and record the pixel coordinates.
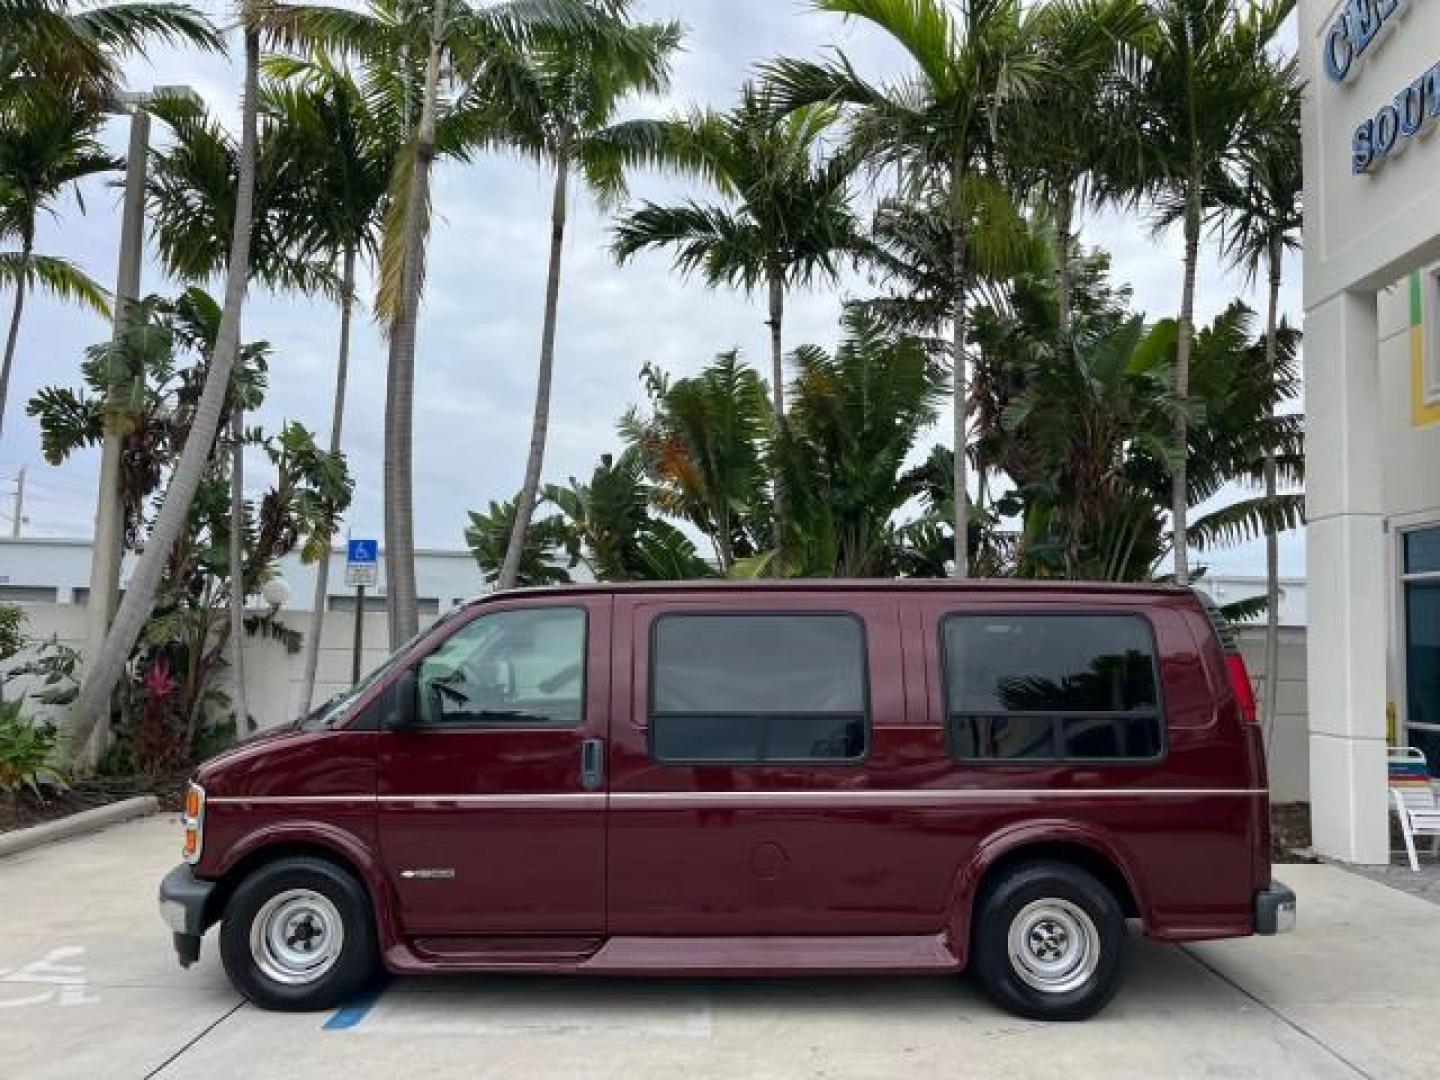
(1048, 941)
(298, 934)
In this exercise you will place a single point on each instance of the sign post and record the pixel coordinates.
(362, 569)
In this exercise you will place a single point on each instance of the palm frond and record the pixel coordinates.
(1246, 520)
(59, 277)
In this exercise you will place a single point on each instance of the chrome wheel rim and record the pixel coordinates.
(1054, 946)
(296, 937)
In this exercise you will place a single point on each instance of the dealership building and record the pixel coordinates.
(1372, 381)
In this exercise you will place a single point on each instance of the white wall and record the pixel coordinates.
(1410, 451)
(1287, 745)
(443, 578)
(272, 675)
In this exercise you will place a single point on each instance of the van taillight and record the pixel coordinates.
(1244, 692)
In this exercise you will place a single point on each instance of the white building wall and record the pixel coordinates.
(272, 674)
(1370, 68)
(1287, 739)
(1409, 432)
(62, 569)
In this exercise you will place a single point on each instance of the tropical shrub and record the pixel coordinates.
(147, 385)
(27, 751)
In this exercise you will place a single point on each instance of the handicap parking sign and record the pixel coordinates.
(362, 558)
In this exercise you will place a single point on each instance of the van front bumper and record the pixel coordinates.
(1275, 909)
(183, 902)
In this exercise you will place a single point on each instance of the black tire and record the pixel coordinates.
(310, 885)
(1078, 966)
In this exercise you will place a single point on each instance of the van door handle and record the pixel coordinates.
(592, 764)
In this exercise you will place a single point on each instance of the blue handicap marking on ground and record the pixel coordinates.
(362, 551)
(352, 1012)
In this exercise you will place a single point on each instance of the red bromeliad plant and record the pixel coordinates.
(157, 741)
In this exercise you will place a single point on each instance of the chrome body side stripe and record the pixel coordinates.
(930, 797)
(286, 800)
(832, 797)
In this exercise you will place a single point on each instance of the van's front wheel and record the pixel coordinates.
(1048, 942)
(298, 935)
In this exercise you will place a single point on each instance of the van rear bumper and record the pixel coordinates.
(1275, 909)
(183, 900)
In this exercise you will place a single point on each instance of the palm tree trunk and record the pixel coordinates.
(105, 670)
(13, 336)
(1271, 665)
(776, 323)
(337, 420)
(1179, 495)
(237, 567)
(1064, 220)
(540, 427)
(400, 383)
(777, 376)
(960, 389)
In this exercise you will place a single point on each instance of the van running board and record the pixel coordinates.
(738, 956)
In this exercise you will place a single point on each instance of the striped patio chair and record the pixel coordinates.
(1413, 798)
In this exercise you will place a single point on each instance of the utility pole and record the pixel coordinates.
(19, 503)
(109, 541)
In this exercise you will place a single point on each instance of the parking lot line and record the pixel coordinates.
(349, 1015)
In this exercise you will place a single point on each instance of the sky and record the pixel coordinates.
(479, 332)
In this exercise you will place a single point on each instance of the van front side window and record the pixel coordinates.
(1051, 688)
(758, 688)
(515, 668)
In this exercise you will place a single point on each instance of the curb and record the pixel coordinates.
(86, 821)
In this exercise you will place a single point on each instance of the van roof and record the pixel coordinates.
(845, 585)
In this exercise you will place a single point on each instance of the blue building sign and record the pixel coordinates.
(1392, 128)
(1359, 28)
(1354, 30)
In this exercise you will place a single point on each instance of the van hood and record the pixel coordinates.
(294, 762)
(243, 755)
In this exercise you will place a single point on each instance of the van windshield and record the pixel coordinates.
(331, 712)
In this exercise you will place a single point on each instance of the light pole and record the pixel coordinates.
(109, 511)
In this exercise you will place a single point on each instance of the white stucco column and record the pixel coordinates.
(1346, 580)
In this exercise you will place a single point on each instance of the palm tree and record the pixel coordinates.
(786, 223)
(563, 94)
(411, 50)
(106, 667)
(193, 194)
(1261, 221)
(1241, 379)
(1202, 68)
(47, 47)
(349, 154)
(940, 125)
(1082, 422)
(1064, 137)
(787, 218)
(47, 145)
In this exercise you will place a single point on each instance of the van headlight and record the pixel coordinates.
(194, 822)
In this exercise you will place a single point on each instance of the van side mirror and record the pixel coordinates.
(404, 708)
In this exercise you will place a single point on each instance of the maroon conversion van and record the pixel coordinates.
(769, 778)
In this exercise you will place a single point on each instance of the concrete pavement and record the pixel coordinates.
(89, 988)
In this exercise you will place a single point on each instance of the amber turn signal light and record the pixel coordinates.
(194, 822)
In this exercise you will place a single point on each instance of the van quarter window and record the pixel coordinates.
(1051, 688)
(512, 668)
(749, 688)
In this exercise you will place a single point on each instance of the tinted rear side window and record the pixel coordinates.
(758, 688)
(1047, 687)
